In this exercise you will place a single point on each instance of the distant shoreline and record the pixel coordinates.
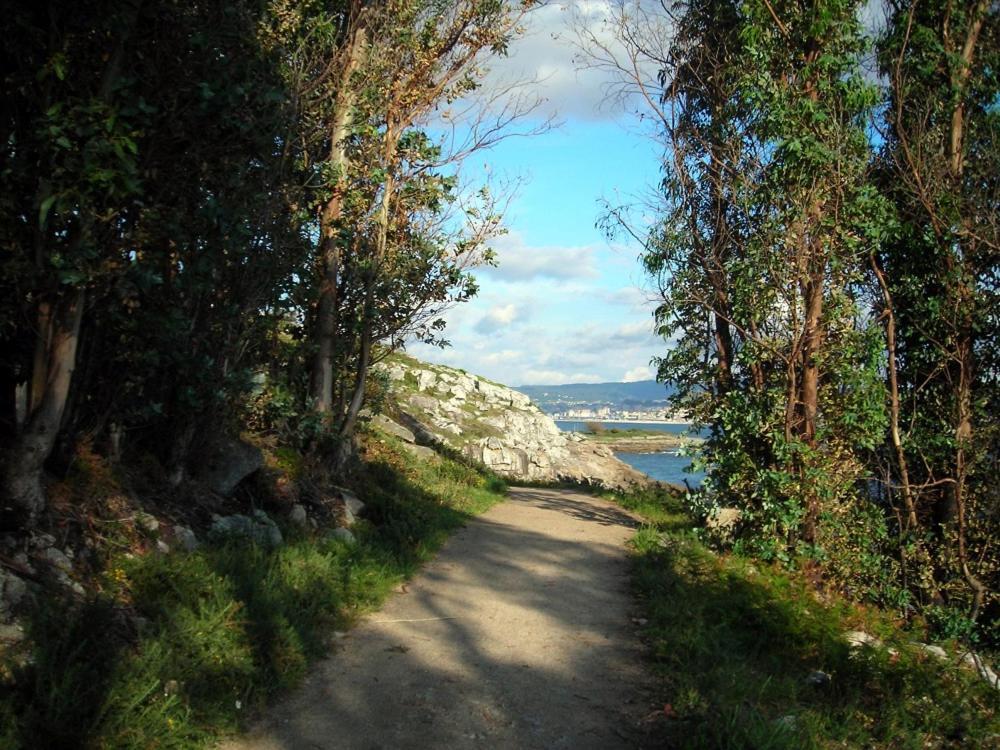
(619, 421)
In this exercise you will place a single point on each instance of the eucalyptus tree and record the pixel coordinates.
(939, 284)
(399, 60)
(71, 184)
(146, 222)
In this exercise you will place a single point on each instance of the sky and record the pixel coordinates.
(563, 304)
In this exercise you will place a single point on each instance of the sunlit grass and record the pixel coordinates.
(735, 642)
(180, 649)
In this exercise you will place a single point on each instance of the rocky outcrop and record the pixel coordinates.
(496, 426)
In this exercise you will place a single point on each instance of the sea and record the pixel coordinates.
(665, 466)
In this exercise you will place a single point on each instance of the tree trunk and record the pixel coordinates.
(329, 242)
(345, 446)
(897, 441)
(59, 327)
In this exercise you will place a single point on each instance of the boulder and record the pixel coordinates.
(974, 661)
(387, 425)
(258, 528)
(857, 639)
(420, 451)
(58, 559)
(298, 516)
(13, 589)
(499, 428)
(353, 507)
(723, 521)
(147, 522)
(226, 463)
(342, 535)
(186, 538)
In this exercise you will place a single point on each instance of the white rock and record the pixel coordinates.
(935, 651)
(147, 521)
(976, 662)
(858, 639)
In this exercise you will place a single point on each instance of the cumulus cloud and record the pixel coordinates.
(568, 80)
(497, 317)
(643, 372)
(518, 261)
(556, 377)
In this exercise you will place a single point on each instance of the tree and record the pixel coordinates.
(938, 279)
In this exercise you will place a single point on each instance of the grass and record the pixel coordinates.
(734, 643)
(174, 651)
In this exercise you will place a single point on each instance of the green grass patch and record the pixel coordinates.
(180, 649)
(735, 642)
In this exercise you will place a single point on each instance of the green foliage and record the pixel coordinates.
(831, 297)
(734, 643)
(184, 647)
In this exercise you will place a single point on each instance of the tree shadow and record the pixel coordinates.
(512, 637)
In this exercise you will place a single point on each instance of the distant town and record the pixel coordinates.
(611, 414)
(642, 401)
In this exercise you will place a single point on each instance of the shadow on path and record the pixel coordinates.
(517, 635)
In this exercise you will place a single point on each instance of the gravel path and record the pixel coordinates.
(518, 635)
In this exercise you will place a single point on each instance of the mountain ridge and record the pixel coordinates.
(648, 393)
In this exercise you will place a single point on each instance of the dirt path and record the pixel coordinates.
(519, 635)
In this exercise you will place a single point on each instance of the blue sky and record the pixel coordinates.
(563, 305)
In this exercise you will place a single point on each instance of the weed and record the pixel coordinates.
(735, 641)
(178, 649)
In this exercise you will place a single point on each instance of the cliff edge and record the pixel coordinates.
(496, 426)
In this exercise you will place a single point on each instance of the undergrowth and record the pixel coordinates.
(739, 644)
(173, 651)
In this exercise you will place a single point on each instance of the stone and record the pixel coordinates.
(420, 451)
(227, 463)
(259, 528)
(974, 661)
(723, 520)
(42, 541)
(500, 429)
(342, 535)
(935, 651)
(13, 589)
(58, 559)
(298, 516)
(387, 425)
(186, 538)
(426, 379)
(162, 547)
(12, 633)
(147, 522)
(857, 639)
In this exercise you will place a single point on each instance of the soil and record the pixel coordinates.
(520, 634)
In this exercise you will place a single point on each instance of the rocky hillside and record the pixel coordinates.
(495, 425)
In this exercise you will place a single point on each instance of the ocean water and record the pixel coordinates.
(664, 467)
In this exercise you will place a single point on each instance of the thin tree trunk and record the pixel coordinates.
(22, 485)
(897, 442)
(329, 243)
(345, 447)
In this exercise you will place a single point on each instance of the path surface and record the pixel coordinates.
(518, 635)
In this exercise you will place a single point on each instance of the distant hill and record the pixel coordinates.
(642, 393)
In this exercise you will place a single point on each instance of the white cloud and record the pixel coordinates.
(497, 317)
(564, 76)
(638, 373)
(556, 377)
(517, 261)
